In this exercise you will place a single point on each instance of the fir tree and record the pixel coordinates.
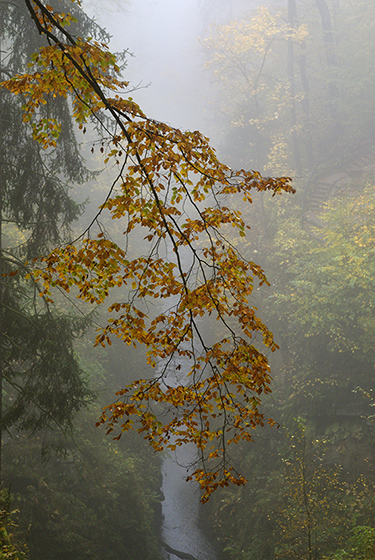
(41, 382)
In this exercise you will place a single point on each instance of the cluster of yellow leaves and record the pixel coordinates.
(172, 185)
(248, 59)
(245, 43)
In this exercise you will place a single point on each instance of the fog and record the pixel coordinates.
(167, 67)
(282, 87)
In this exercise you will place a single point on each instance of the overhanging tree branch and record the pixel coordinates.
(167, 184)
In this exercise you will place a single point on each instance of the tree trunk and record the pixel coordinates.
(2, 179)
(305, 103)
(292, 84)
(333, 90)
(328, 32)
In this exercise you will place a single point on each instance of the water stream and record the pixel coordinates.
(181, 508)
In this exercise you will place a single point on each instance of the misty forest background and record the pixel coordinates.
(285, 87)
